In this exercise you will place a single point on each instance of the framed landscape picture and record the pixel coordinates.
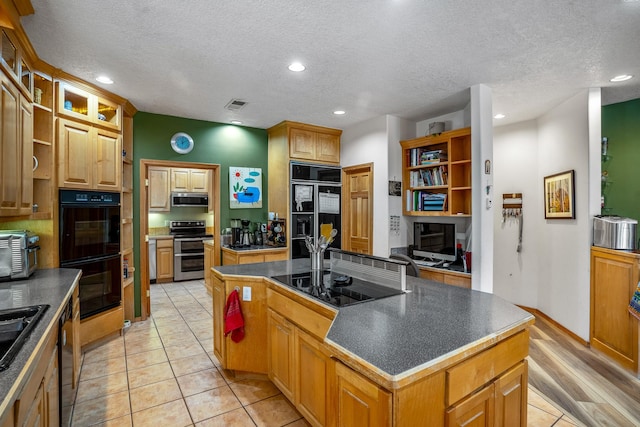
(559, 196)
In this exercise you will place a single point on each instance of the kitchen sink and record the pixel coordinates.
(16, 325)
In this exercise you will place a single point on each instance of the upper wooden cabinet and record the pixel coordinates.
(436, 174)
(159, 196)
(79, 104)
(88, 157)
(16, 150)
(189, 180)
(308, 142)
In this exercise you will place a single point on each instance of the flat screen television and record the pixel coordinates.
(435, 241)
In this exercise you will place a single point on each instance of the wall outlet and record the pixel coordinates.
(246, 293)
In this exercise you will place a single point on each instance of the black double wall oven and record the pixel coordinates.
(90, 241)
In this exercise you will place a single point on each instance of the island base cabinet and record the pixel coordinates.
(313, 367)
(358, 401)
(218, 297)
(281, 345)
(475, 411)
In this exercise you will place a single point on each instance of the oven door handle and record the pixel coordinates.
(190, 239)
(189, 254)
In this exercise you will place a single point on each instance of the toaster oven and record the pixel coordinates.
(614, 232)
(18, 254)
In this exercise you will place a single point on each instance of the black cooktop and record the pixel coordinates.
(336, 288)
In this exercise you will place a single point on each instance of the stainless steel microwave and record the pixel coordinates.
(190, 199)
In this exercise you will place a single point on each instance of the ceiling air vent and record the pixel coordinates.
(235, 105)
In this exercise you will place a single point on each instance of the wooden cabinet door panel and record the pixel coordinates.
(511, 397)
(199, 180)
(164, 258)
(9, 148)
(179, 179)
(328, 148)
(360, 402)
(302, 144)
(475, 411)
(311, 367)
(281, 353)
(26, 137)
(108, 160)
(75, 155)
(159, 197)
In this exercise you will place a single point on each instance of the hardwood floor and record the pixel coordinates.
(583, 383)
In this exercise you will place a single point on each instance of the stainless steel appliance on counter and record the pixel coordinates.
(315, 200)
(188, 249)
(18, 254)
(614, 232)
(90, 241)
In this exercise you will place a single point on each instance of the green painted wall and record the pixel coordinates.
(621, 124)
(218, 143)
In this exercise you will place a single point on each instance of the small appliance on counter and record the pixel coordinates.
(18, 254)
(614, 232)
(236, 231)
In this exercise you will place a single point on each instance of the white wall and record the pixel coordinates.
(397, 130)
(552, 272)
(367, 142)
(515, 156)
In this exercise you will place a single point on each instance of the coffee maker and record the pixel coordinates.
(236, 231)
(246, 237)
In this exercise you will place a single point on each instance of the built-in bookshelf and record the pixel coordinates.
(436, 174)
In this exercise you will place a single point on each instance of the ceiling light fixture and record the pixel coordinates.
(339, 112)
(297, 67)
(104, 79)
(621, 78)
(499, 116)
(236, 122)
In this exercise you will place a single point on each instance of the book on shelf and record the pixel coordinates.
(429, 177)
(425, 201)
(424, 156)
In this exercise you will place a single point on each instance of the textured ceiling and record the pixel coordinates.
(410, 58)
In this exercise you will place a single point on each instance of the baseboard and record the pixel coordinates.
(549, 320)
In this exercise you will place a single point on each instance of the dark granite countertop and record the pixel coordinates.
(403, 334)
(49, 286)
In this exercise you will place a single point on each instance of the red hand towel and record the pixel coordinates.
(233, 320)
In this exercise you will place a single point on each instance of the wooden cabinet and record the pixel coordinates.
(359, 401)
(38, 402)
(313, 369)
(16, 150)
(80, 105)
(446, 276)
(219, 299)
(44, 178)
(436, 174)
(164, 260)
(208, 263)
(281, 353)
(613, 330)
(249, 354)
(233, 257)
(159, 193)
(89, 158)
(314, 143)
(189, 180)
(126, 217)
(502, 403)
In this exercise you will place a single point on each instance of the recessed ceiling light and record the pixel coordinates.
(339, 112)
(236, 122)
(621, 78)
(499, 116)
(297, 67)
(104, 79)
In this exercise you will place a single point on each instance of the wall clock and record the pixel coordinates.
(181, 143)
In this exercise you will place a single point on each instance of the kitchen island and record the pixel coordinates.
(29, 388)
(436, 355)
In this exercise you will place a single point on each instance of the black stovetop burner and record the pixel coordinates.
(336, 288)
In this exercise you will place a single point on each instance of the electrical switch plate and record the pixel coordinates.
(246, 293)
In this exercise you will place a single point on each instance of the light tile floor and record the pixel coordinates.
(162, 372)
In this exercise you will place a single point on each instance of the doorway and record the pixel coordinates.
(214, 208)
(357, 208)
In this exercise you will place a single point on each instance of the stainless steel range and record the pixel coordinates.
(188, 249)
